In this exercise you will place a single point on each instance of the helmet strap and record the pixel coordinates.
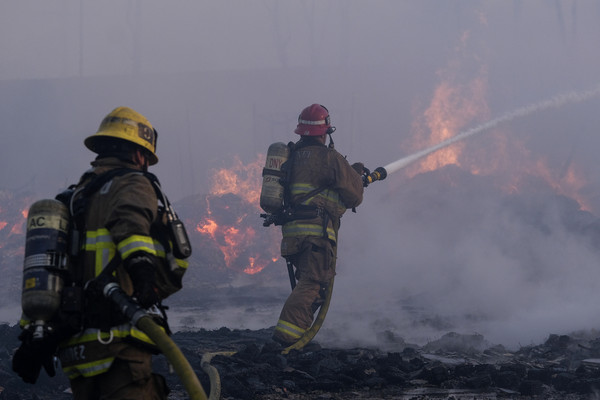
(140, 158)
(331, 144)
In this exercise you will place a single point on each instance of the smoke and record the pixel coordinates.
(450, 252)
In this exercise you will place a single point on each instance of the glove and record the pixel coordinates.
(32, 355)
(358, 167)
(141, 267)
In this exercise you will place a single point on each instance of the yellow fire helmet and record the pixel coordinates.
(126, 124)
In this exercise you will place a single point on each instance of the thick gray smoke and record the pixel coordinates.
(449, 249)
(469, 259)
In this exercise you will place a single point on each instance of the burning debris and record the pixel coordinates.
(227, 218)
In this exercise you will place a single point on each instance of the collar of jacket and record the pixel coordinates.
(114, 162)
(308, 141)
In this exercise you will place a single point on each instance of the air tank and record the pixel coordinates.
(46, 259)
(271, 194)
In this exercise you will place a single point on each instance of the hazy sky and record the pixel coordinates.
(224, 79)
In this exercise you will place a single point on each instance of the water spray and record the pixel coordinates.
(553, 102)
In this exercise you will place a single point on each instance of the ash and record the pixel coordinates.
(454, 367)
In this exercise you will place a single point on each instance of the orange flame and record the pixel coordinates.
(569, 181)
(242, 180)
(451, 109)
(209, 227)
(455, 107)
(236, 237)
(254, 268)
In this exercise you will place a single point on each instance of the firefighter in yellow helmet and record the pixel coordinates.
(321, 182)
(116, 208)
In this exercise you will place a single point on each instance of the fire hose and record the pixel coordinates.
(139, 318)
(213, 373)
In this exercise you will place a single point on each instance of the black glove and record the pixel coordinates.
(358, 167)
(32, 355)
(141, 267)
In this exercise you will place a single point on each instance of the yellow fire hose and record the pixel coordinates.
(138, 317)
(180, 363)
(185, 371)
(213, 373)
(176, 358)
(312, 331)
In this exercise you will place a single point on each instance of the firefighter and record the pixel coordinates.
(321, 186)
(109, 358)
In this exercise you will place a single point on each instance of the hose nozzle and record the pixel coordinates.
(378, 175)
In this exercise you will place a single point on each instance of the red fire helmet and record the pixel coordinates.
(314, 120)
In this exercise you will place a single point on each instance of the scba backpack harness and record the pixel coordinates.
(275, 196)
(54, 302)
(168, 229)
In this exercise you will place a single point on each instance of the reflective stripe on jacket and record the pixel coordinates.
(101, 243)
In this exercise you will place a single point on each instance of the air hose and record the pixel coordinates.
(312, 331)
(139, 318)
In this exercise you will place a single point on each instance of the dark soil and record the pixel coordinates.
(453, 367)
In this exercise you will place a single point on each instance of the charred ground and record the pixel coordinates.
(453, 367)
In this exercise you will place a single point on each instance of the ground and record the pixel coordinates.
(454, 367)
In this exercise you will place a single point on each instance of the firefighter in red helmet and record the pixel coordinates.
(323, 185)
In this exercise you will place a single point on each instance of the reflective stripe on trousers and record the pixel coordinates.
(289, 329)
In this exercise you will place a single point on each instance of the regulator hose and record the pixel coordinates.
(312, 331)
(138, 317)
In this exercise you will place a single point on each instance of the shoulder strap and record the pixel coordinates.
(288, 177)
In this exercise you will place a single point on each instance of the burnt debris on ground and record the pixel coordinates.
(454, 367)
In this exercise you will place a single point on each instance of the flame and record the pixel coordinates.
(254, 268)
(242, 180)
(234, 234)
(570, 181)
(459, 103)
(209, 227)
(17, 229)
(451, 109)
(13, 222)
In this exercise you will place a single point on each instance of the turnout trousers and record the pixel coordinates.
(130, 377)
(315, 267)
